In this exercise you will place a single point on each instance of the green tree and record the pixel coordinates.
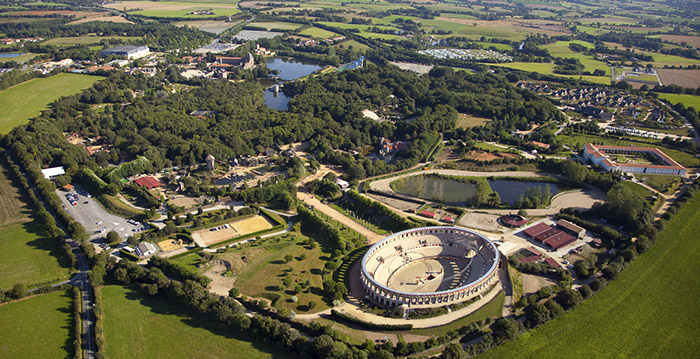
(113, 238)
(454, 351)
(537, 314)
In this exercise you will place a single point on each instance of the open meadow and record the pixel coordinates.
(138, 326)
(37, 327)
(86, 40)
(26, 100)
(259, 269)
(13, 209)
(686, 100)
(29, 257)
(178, 9)
(650, 311)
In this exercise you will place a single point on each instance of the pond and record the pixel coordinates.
(288, 70)
(276, 100)
(10, 54)
(510, 190)
(455, 193)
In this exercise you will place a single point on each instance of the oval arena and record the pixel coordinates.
(429, 267)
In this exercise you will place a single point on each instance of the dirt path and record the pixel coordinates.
(309, 199)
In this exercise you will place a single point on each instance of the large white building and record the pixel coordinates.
(130, 52)
(600, 155)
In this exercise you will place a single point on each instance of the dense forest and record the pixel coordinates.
(149, 117)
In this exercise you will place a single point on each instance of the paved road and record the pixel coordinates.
(83, 282)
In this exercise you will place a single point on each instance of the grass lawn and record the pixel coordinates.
(661, 183)
(37, 327)
(26, 100)
(86, 40)
(13, 209)
(561, 49)
(20, 58)
(363, 30)
(318, 33)
(546, 68)
(492, 309)
(358, 46)
(686, 100)
(650, 311)
(260, 268)
(137, 326)
(469, 121)
(181, 9)
(28, 257)
(638, 189)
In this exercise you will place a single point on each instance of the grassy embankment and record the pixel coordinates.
(650, 311)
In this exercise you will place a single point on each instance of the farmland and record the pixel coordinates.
(37, 327)
(685, 78)
(655, 291)
(86, 40)
(686, 100)
(176, 9)
(20, 58)
(136, 326)
(28, 99)
(546, 68)
(317, 33)
(27, 256)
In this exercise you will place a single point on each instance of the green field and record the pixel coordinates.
(546, 68)
(37, 327)
(318, 33)
(638, 189)
(492, 309)
(137, 326)
(27, 256)
(86, 40)
(686, 100)
(363, 30)
(260, 268)
(20, 58)
(561, 49)
(651, 311)
(28, 99)
(177, 8)
(661, 183)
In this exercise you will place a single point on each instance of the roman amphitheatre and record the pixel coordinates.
(429, 267)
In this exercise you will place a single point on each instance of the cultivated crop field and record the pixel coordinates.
(649, 312)
(137, 326)
(86, 40)
(37, 327)
(28, 99)
(182, 9)
(27, 256)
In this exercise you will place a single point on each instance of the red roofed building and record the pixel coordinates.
(552, 262)
(427, 214)
(600, 155)
(559, 240)
(148, 182)
(514, 220)
(533, 231)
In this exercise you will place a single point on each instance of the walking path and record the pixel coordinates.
(309, 199)
(583, 198)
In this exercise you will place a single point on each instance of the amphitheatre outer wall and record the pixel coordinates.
(404, 248)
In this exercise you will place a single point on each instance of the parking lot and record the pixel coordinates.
(93, 216)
